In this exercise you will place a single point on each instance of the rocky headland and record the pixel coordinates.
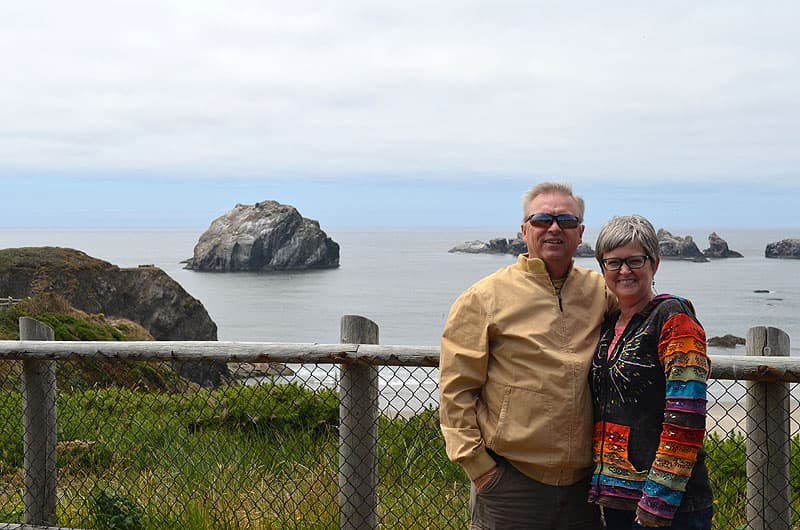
(784, 249)
(146, 295)
(69, 323)
(262, 237)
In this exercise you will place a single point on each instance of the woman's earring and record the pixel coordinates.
(654, 286)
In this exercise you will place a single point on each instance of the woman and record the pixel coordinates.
(649, 389)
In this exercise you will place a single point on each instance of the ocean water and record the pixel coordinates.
(405, 280)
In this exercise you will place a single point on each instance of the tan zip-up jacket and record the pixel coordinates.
(513, 373)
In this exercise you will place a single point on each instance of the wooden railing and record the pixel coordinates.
(767, 367)
(8, 301)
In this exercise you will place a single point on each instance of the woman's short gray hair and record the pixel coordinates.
(625, 229)
(545, 188)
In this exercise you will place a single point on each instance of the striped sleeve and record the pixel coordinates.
(682, 353)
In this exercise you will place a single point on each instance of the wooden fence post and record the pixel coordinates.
(39, 437)
(358, 431)
(768, 439)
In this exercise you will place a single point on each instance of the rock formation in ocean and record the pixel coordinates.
(266, 236)
(513, 246)
(498, 245)
(144, 294)
(585, 250)
(678, 248)
(726, 341)
(472, 247)
(784, 249)
(718, 248)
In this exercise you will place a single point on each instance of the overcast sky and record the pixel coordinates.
(167, 113)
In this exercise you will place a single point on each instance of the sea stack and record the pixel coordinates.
(265, 236)
(514, 246)
(784, 249)
(718, 248)
(676, 247)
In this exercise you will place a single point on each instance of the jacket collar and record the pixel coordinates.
(655, 302)
(536, 265)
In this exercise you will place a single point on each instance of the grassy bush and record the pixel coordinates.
(69, 324)
(727, 470)
(234, 457)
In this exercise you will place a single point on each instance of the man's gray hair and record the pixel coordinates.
(624, 229)
(545, 188)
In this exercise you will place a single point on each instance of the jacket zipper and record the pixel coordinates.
(607, 361)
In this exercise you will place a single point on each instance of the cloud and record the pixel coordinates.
(431, 89)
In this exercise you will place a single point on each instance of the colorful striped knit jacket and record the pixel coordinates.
(650, 411)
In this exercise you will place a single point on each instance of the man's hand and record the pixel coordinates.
(482, 482)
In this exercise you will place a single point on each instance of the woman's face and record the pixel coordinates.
(631, 285)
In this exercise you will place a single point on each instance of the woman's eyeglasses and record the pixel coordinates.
(633, 262)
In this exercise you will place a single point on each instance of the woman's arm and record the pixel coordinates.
(682, 353)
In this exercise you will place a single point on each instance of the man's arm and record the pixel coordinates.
(462, 374)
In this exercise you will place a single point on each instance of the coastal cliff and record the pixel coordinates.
(146, 295)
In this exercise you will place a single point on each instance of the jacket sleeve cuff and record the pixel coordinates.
(645, 518)
(479, 464)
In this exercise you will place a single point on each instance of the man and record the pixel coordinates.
(515, 406)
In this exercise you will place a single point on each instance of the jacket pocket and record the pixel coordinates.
(612, 450)
(524, 424)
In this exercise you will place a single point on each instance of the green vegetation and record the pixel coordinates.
(727, 469)
(68, 324)
(235, 457)
(727, 466)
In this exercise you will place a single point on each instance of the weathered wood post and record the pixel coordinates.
(39, 437)
(768, 439)
(358, 431)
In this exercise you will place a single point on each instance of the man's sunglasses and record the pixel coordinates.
(544, 220)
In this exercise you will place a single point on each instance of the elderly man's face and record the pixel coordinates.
(554, 245)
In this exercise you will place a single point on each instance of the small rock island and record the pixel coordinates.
(678, 248)
(262, 237)
(514, 246)
(784, 249)
(718, 248)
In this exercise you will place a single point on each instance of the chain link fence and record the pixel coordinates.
(261, 453)
(139, 447)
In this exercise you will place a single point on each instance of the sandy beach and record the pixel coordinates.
(727, 417)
